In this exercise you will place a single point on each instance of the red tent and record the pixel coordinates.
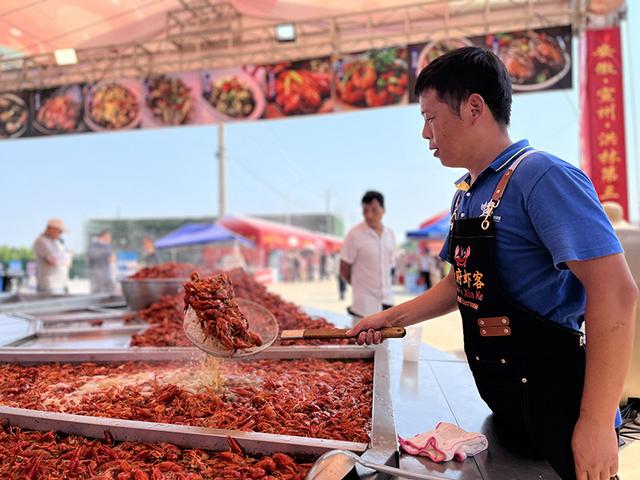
(268, 236)
(434, 219)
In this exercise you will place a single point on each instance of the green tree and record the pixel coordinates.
(23, 254)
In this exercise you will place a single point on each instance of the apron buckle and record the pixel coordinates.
(488, 212)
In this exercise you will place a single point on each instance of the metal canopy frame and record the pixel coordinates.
(203, 34)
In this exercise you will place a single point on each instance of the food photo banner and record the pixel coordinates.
(536, 60)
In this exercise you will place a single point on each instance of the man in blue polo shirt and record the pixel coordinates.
(533, 256)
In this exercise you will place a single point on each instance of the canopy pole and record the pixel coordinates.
(222, 180)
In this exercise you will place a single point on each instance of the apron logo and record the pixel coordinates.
(483, 207)
(461, 256)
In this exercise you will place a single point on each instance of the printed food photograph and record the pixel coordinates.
(299, 88)
(422, 54)
(169, 99)
(113, 105)
(14, 116)
(58, 110)
(372, 79)
(433, 50)
(535, 59)
(233, 94)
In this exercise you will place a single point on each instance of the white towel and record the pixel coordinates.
(446, 442)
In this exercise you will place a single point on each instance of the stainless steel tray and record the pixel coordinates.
(140, 294)
(382, 446)
(35, 303)
(88, 314)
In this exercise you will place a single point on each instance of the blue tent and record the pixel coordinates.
(200, 234)
(439, 229)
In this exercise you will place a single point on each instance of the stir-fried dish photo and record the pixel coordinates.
(169, 99)
(113, 106)
(299, 88)
(14, 116)
(433, 50)
(374, 79)
(58, 110)
(532, 58)
(231, 96)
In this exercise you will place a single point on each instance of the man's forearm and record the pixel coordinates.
(609, 319)
(345, 271)
(437, 301)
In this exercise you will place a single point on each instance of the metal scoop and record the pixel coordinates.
(336, 464)
(262, 322)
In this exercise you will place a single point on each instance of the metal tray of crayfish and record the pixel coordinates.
(331, 376)
(83, 322)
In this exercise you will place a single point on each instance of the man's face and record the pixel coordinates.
(106, 237)
(54, 232)
(444, 130)
(373, 213)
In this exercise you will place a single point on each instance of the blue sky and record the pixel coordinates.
(276, 166)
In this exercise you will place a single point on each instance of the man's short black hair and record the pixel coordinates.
(372, 195)
(459, 73)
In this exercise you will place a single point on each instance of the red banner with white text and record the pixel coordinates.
(604, 156)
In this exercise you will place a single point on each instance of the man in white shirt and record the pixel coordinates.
(52, 259)
(366, 260)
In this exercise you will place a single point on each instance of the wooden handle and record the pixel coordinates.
(337, 333)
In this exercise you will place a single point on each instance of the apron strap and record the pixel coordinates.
(502, 185)
(454, 213)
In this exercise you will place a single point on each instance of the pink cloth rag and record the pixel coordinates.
(446, 442)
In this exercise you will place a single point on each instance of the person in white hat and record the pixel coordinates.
(52, 259)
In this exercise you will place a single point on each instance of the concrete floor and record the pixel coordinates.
(443, 333)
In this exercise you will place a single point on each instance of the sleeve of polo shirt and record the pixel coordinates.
(348, 251)
(568, 217)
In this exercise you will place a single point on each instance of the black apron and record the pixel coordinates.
(529, 370)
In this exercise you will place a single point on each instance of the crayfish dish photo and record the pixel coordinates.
(373, 79)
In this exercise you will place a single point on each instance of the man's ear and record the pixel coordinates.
(476, 106)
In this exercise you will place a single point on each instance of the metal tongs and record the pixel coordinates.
(262, 322)
(336, 465)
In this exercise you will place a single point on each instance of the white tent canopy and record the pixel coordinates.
(129, 38)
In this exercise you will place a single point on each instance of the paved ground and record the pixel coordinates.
(443, 333)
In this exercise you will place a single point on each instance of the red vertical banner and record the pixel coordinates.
(604, 156)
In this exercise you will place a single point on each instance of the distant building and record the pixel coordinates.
(317, 222)
(128, 233)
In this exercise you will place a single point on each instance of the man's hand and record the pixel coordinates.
(439, 300)
(367, 329)
(595, 449)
